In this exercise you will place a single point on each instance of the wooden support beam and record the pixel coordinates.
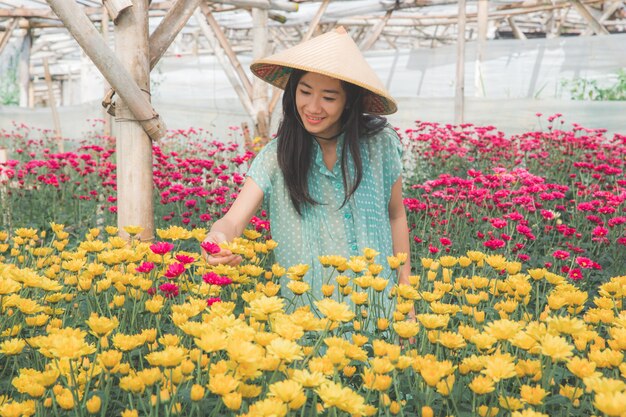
(104, 27)
(232, 56)
(259, 87)
(223, 61)
(23, 69)
(592, 21)
(7, 34)
(376, 31)
(483, 23)
(459, 88)
(116, 7)
(611, 8)
(53, 107)
(81, 28)
(133, 148)
(517, 32)
(171, 25)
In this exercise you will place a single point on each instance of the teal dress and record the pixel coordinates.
(328, 228)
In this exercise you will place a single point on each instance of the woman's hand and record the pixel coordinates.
(214, 254)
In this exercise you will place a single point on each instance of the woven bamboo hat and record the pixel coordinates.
(333, 54)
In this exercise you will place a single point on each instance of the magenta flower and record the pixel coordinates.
(584, 262)
(161, 248)
(600, 231)
(445, 241)
(215, 279)
(560, 254)
(145, 267)
(210, 247)
(213, 300)
(169, 290)
(185, 259)
(494, 244)
(174, 270)
(575, 274)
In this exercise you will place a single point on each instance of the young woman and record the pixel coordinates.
(331, 180)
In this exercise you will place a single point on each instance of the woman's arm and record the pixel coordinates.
(233, 223)
(400, 230)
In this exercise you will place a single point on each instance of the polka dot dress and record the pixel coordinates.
(329, 228)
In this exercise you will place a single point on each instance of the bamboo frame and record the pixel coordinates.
(81, 28)
(53, 107)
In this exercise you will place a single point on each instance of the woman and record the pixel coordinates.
(331, 180)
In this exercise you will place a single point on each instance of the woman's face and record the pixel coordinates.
(320, 101)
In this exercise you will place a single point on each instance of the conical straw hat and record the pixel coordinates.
(333, 54)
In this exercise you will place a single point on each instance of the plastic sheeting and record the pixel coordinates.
(521, 78)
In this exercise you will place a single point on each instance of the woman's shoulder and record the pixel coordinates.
(381, 134)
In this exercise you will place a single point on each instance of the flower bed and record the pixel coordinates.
(148, 329)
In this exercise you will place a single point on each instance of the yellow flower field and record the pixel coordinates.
(99, 326)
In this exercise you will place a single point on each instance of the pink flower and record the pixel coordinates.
(184, 259)
(584, 262)
(145, 267)
(210, 247)
(161, 248)
(494, 244)
(215, 279)
(174, 270)
(432, 249)
(211, 301)
(600, 231)
(498, 223)
(169, 290)
(445, 241)
(560, 254)
(575, 274)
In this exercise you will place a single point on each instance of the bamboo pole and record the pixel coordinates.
(81, 28)
(221, 58)
(173, 22)
(24, 69)
(483, 22)
(7, 34)
(105, 35)
(259, 88)
(376, 31)
(133, 148)
(593, 23)
(223, 41)
(459, 90)
(53, 107)
(517, 32)
(611, 8)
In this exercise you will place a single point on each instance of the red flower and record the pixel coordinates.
(494, 244)
(161, 248)
(600, 231)
(445, 241)
(584, 262)
(432, 249)
(169, 290)
(575, 274)
(215, 279)
(184, 259)
(210, 247)
(145, 267)
(561, 254)
(174, 270)
(211, 301)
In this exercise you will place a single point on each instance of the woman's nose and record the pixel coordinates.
(314, 105)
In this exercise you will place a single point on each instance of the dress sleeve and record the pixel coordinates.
(392, 157)
(263, 167)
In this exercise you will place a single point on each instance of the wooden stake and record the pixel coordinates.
(24, 69)
(105, 35)
(7, 34)
(223, 41)
(133, 146)
(259, 87)
(517, 32)
(593, 23)
(171, 25)
(81, 28)
(483, 22)
(376, 31)
(459, 90)
(53, 107)
(221, 58)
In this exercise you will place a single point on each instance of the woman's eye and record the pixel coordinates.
(329, 98)
(304, 93)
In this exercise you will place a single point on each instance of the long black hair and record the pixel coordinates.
(295, 144)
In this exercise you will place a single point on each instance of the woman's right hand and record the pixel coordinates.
(224, 256)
